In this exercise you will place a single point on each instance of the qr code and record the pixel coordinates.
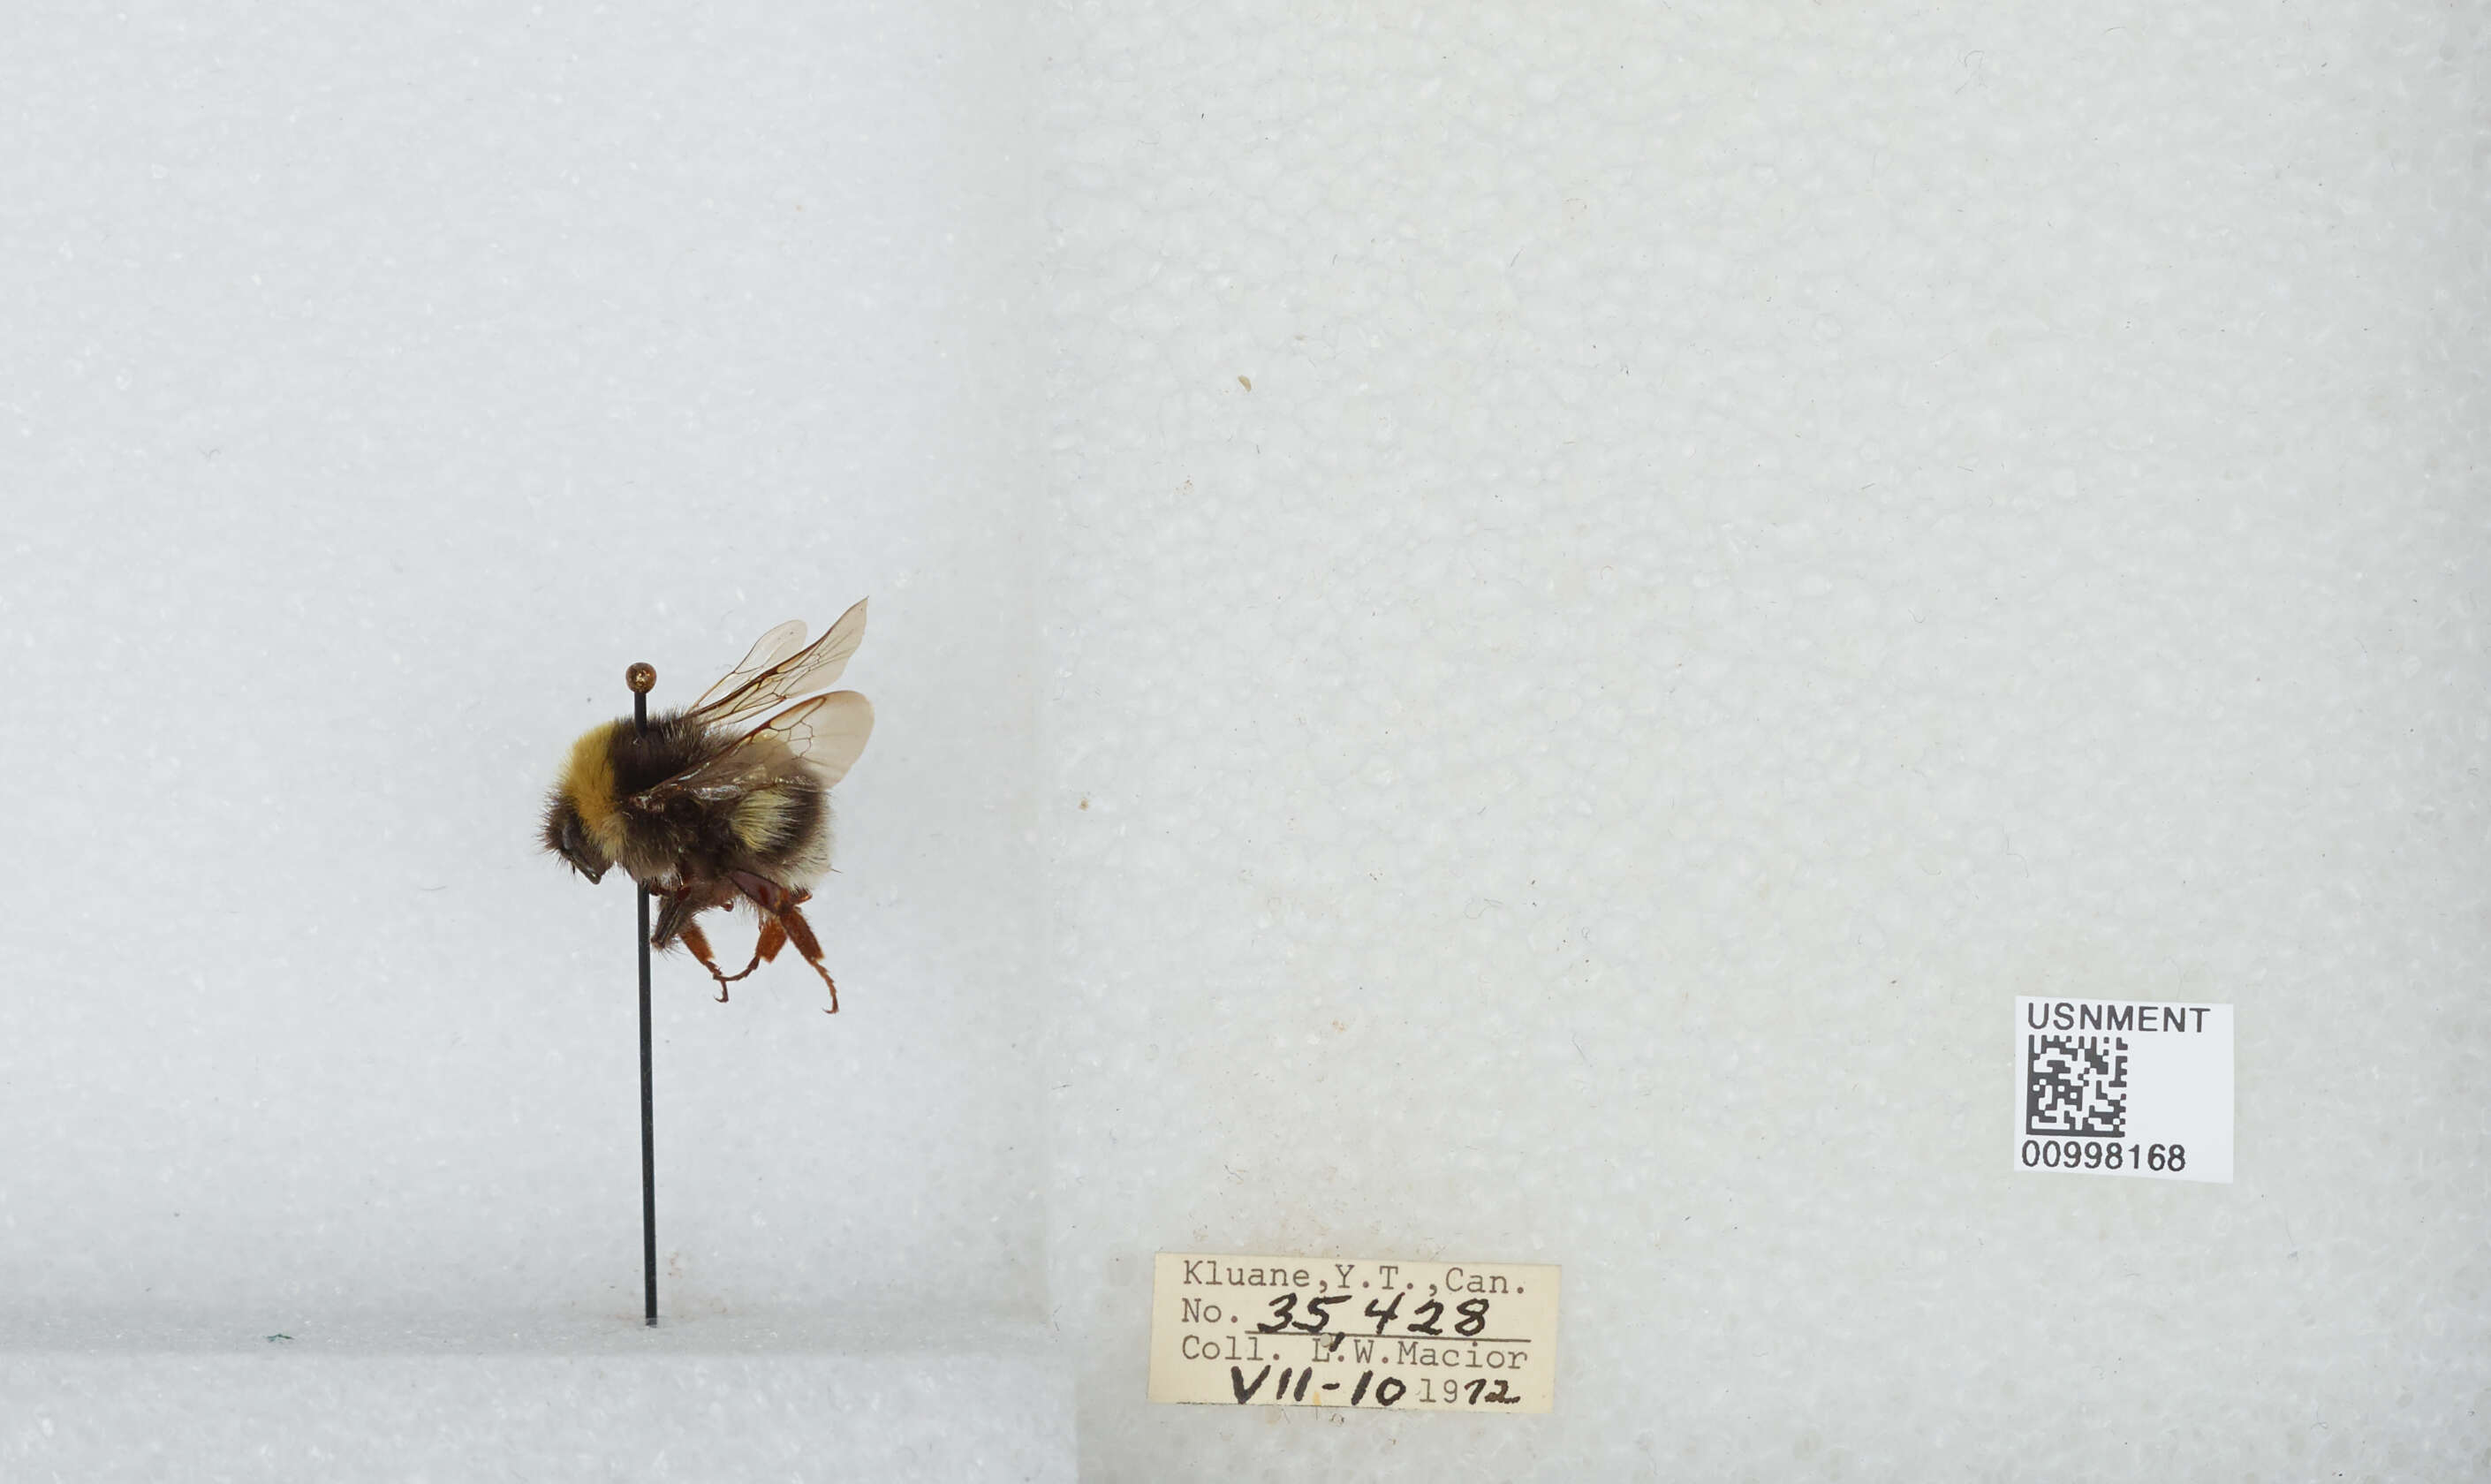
(2075, 1085)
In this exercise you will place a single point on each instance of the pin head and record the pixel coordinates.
(642, 677)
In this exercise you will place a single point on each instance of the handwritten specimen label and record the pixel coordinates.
(1249, 1331)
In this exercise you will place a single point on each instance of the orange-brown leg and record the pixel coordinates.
(698, 941)
(766, 948)
(801, 934)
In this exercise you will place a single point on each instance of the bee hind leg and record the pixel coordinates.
(781, 913)
(801, 933)
(764, 949)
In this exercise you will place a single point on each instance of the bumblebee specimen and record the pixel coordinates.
(705, 811)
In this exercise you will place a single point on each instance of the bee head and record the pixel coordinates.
(566, 834)
(583, 801)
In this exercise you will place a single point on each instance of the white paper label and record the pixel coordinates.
(2124, 1086)
(1407, 1336)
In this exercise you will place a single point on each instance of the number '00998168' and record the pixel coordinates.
(2098, 1155)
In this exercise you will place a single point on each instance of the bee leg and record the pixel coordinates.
(674, 918)
(772, 938)
(801, 933)
(698, 941)
(763, 892)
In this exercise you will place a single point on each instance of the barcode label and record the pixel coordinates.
(2075, 1087)
(2124, 1086)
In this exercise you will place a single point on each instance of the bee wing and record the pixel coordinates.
(826, 732)
(770, 648)
(811, 668)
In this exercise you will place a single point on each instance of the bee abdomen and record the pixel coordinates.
(760, 816)
(780, 823)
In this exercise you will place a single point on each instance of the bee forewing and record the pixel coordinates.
(826, 732)
(811, 668)
(767, 650)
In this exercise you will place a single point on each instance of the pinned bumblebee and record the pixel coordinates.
(706, 812)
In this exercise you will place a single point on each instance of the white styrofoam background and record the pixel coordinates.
(479, 1410)
(1753, 538)
(375, 388)
(1756, 535)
